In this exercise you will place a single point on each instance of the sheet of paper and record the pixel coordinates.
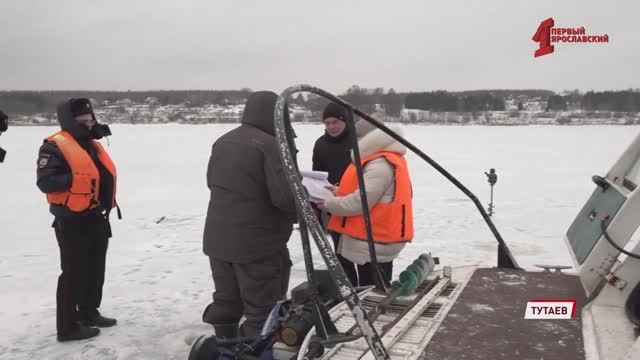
(318, 175)
(316, 182)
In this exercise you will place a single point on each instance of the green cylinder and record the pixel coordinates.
(412, 276)
(407, 276)
(409, 286)
(419, 263)
(417, 271)
(396, 285)
(410, 281)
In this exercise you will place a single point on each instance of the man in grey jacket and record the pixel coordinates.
(249, 221)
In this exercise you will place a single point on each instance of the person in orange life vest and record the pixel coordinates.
(388, 186)
(79, 180)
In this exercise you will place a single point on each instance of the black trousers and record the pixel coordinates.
(83, 243)
(348, 266)
(365, 273)
(250, 289)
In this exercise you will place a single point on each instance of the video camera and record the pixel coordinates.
(492, 177)
(4, 125)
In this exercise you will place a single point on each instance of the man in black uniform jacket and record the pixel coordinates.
(79, 179)
(331, 153)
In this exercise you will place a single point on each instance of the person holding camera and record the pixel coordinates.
(79, 179)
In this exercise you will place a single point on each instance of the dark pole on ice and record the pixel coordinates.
(492, 178)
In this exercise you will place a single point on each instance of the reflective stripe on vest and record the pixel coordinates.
(85, 184)
(390, 222)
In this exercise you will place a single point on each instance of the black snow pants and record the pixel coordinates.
(83, 243)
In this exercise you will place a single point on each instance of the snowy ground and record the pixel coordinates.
(158, 280)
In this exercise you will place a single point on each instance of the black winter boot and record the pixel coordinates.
(94, 318)
(78, 332)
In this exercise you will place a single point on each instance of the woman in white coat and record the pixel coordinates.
(388, 190)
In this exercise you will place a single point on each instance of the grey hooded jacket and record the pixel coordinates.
(251, 210)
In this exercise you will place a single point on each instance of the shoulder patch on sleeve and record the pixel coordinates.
(43, 160)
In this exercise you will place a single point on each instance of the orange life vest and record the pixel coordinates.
(390, 222)
(85, 186)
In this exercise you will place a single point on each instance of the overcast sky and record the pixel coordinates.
(407, 45)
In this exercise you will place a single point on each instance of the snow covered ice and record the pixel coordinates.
(158, 280)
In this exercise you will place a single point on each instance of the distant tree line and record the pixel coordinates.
(448, 101)
(34, 102)
(628, 101)
(556, 103)
(362, 98)
(480, 100)
(620, 101)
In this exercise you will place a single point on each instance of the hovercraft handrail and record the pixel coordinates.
(505, 257)
(309, 224)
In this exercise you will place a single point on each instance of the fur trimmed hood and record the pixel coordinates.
(375, 140)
